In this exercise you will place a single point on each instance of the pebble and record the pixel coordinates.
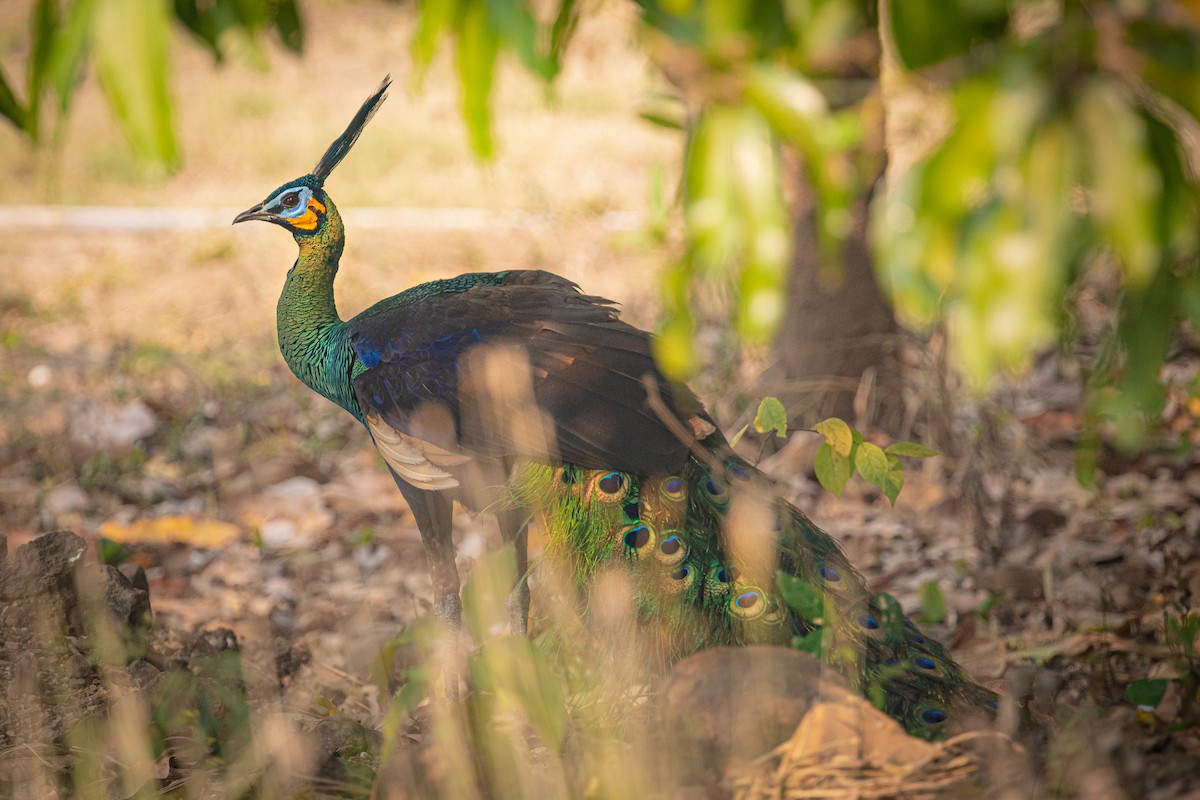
(66, 498)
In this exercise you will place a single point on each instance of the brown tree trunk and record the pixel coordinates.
(838, 348)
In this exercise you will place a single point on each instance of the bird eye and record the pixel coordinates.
(290, 199)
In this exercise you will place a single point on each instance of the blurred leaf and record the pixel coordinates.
(69, 47)
(929, 31)
(476, 60)
(714, 228)
(801, 596)
(933, 605)
(673, 346)
(404, 702)
(10, 107)
(202, 24)
(285, 16)
(789, 102)
(1147, 693)
(909, 450)
(516, 672)
(812, 643)
(434, 19)
(44, 21)
(1146, 329)
(766, 243)
(196, 532)
(513, 24)
(771, 416)
(130, 39)
(664, 110)
(832, 468)
(110, 552)
(1171, 59)
(1124, 184)
(1189, 298)
(486, 593)
(837, 433)
(561, 32)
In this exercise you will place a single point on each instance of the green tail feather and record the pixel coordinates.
(718, 559)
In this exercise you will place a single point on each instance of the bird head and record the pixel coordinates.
(300, 205)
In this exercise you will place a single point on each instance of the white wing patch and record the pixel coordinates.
(415, 460)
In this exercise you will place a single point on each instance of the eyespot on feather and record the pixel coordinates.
(672, 549)
(608, 487)
(638, 538)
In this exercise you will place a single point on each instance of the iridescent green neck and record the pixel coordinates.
(311, 335)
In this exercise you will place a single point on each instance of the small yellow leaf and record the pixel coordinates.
(203, 533)
(837, 434)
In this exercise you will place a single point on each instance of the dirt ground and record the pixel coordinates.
(144, 400)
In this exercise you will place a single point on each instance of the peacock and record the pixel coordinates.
(516, 392)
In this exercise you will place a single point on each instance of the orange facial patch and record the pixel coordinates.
(309, 219)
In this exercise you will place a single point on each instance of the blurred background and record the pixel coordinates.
(969, 224)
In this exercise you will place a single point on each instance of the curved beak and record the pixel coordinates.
(256, 212)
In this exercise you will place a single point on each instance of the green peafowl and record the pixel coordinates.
(620, 465)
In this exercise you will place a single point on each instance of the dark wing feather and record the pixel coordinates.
(586, 365)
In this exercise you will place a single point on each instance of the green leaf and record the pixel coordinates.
(837, 434)
(812, 642)
(872, 464)
(673, 348)
(771, 416)
(909, 450)
(514, 25)
(69, 47)
(434, 19)
(565, 22)
(833, 469)
(110, 552)
(130, 38)
(801, 596)
(893, 480)
(1145, 330)
(1125, 183)
(285, 16)
(933, 605)
(1170, 62)
(203, 24)
(476, 60)
(790, 103)
(10, 107)
(1147, 693)
(766, 237)
(44, 21)
(929, 31)
(664, 110)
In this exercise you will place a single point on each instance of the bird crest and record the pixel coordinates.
(341, 145)
(300, 205)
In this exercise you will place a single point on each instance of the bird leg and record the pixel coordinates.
(514, 529)
(434, 512)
